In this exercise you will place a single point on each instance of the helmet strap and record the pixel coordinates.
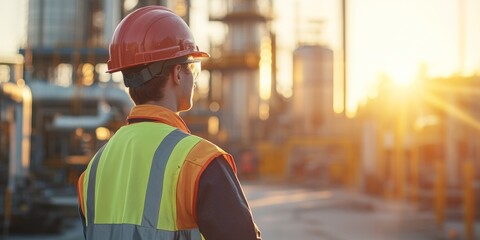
(135, 79)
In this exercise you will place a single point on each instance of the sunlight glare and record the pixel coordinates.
(401, 73)
(290, 198)
(450, 108)
(265, 68)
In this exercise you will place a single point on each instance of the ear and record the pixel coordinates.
(176, 74)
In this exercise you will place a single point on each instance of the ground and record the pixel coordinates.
(285, 212)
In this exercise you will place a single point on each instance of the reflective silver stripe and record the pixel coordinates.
(155, 180)
(91, 187)
(129, 232)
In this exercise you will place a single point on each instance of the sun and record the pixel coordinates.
(401, 73)
(402, 81)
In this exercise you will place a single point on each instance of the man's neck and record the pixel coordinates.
(166, 102)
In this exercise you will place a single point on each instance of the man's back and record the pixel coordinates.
(132, 182)
(154, 180)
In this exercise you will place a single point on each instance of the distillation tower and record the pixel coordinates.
(241, 67)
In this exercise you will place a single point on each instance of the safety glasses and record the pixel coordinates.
(195, 68)
(135, 79)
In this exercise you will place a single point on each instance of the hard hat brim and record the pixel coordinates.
(200, 55)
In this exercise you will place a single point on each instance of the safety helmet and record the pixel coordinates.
(148, 35)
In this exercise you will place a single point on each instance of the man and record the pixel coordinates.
(154, 180)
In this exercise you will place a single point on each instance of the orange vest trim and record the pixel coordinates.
(197, 161)
(80, 192)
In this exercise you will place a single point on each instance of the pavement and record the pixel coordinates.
(287, 211)
(297, 212)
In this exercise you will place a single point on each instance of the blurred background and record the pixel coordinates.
(348, 119)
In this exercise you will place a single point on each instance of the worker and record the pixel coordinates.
(153, 179)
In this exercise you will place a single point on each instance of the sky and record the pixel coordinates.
(391, 37)
(12, 25)
(399, 39)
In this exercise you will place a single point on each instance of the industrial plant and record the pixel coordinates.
(58, 107)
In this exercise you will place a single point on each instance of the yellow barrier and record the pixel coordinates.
(272, 163)
(275, 158)
(440, 194)
(415, 176)
(469, 199)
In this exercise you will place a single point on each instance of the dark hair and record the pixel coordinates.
(152, 90)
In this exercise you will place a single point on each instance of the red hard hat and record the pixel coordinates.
(150, 34)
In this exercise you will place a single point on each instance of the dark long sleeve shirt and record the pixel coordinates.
(222, 209)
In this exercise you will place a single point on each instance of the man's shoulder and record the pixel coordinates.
(205, 151)
(206, 146)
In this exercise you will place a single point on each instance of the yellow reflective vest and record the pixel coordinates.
(143, 183)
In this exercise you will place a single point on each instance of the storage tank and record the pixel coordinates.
(312, 88)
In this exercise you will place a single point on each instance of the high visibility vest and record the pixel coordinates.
(142, 184)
